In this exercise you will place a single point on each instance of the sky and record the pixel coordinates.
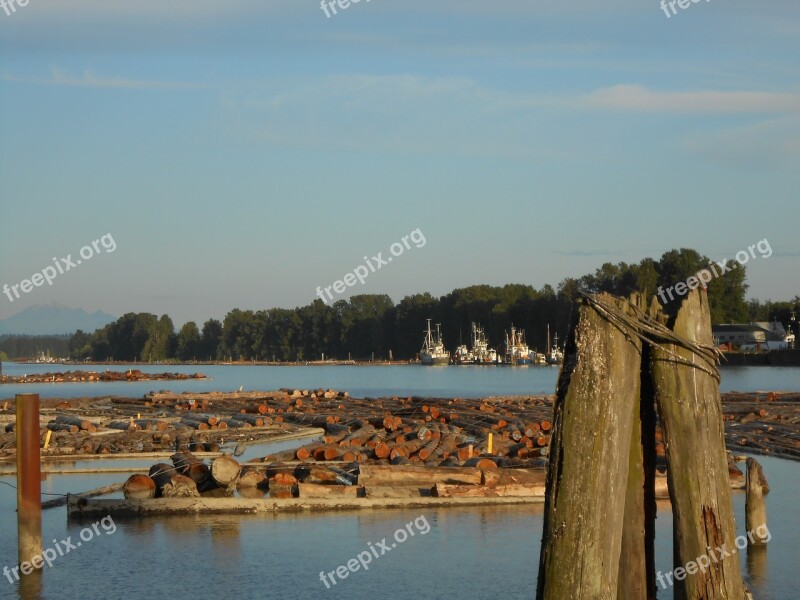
(245, 153)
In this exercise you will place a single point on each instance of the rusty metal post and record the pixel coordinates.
(29, 478)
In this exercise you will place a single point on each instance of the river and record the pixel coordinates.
(473, 553)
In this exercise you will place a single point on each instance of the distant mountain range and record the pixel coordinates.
(53, 319)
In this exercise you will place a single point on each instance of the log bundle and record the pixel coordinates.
(107, 375)
(421, 431)
(763, 423)
(414, 430)
(188, 476)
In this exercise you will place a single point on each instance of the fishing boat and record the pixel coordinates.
(517, 351)
(463, 356)
(555, 356)
(484, 355)
(479, 354)
(433, 351)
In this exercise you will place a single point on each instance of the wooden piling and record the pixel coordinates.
(690, 411)
(755, 510)
(29, 478)
(597, 400)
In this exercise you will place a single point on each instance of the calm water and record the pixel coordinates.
(466, 382)
(468, 553)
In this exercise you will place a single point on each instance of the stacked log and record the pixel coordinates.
(225, 471)
(170, 483)
(189, 465)
(139, 487)
(452, 430)
(81, 424)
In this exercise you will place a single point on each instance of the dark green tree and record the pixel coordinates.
(189, 343)
(211, 340)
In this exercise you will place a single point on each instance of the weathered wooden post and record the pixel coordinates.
(597, 402)
(637, 559)
(29, 479)
(755, 510)
(689, 406)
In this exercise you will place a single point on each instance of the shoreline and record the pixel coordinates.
(730, 360)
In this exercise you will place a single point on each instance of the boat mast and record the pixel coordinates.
(548, 339)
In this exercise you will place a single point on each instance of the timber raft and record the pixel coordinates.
(366, 453)
(413, 430)
(104, 376)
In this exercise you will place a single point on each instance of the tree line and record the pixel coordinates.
(372, 326)
(20, 346)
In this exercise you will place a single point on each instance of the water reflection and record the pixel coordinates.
(757, 564)
(30, 586)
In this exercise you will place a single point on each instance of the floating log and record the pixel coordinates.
(327, 453)
(251, 419)
(397, 491)
(139, 487)
(90, 508)
(123, 425)
(481, 462)
(161, 474)
(151, 424)
(251, 478)
(233, 424)
(188, 464)
(52, 426)
(314, 490)
(495, 477)
(445, 490)
(384, 475)
(225, 471)
(180, 486)
(282, 479)
(318, 475)
(194, 423)
(82, 424)
(210, 419)
(101, 491)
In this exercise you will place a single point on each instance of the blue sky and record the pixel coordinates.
(242, 153)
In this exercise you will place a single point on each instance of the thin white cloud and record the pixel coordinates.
(640, 98)
(422, 115)
(766, 145)
(91, 80)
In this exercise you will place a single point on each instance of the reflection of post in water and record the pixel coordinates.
(757, 563)
(225, 541)
(30, 586)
